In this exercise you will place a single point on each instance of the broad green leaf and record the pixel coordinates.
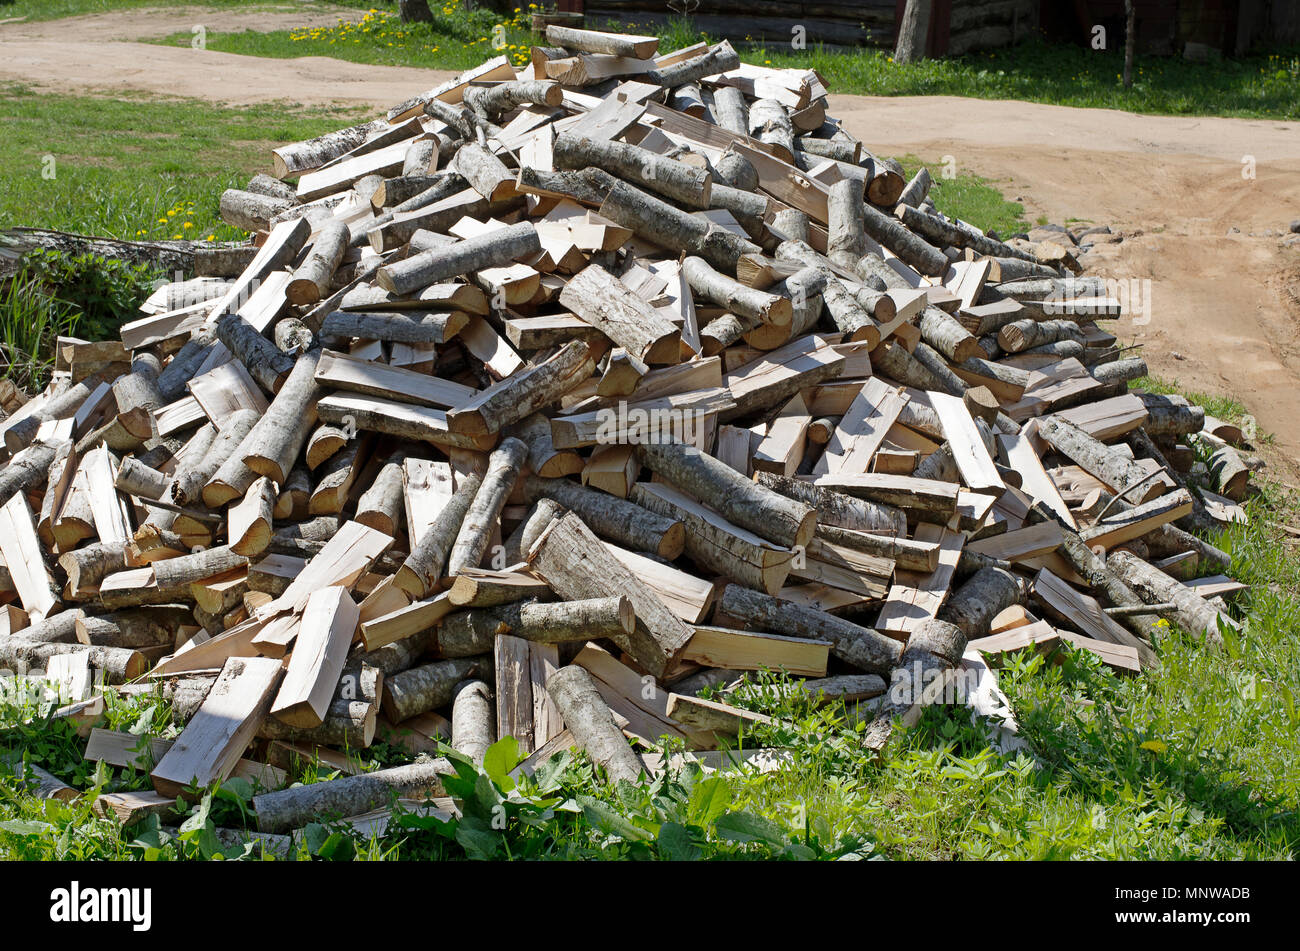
(709, 799)
(607, 820)
(675, 844)
(25, 827)
(501, 757)
(744, 827)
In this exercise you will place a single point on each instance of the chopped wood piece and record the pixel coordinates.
(859, 646)
(587, 717)
(577, 566)
(215, 738)
(328, 622)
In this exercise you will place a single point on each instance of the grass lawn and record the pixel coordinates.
(121, 168)
(1258, 86)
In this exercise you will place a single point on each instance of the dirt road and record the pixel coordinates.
(1227, 303)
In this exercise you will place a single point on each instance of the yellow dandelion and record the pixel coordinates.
(188, 224)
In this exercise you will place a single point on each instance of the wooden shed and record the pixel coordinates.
(1194, 28)
(1184, 27)
(957, 26)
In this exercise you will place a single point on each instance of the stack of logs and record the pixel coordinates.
(552, 397)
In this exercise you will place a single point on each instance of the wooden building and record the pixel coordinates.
(1197, 28)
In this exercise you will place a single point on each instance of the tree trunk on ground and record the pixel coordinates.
(169, 256)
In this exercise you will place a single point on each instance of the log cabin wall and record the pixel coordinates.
(1168, 27)
(957, 26)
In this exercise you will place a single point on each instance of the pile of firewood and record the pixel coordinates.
(554, 396)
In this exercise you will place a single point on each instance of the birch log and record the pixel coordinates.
(985, 594)
(429, 687)
(1119, 473)
(674, 180)
(576, 565)
(735, 297)
(473, 722)
(591, 723)
(491, 101)
(265, 364)
(476, 530)
(467, 633)
(603, 301)
(380, 506)
(719, 59)
(913, 250)
(524, 392)
(425, 565)
(273, 444)
(1020, 335)
(777, 518)
(671, 227)
(311, 281)
(293, 808)
(622, 522)
(837, 509)
(189, 487)
(770, 124)
(731, 109)
(1193, 613)
(860, 646)
(493, 249)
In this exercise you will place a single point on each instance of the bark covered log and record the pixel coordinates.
(591, 723)
(770, 515)
(856, 645)
(622, 522)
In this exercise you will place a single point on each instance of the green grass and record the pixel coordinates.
(131, 168)
(122, 168)
(1256, 86)
(456, 39)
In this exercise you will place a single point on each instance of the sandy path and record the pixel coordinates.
(1228, 304)
(95, 53)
